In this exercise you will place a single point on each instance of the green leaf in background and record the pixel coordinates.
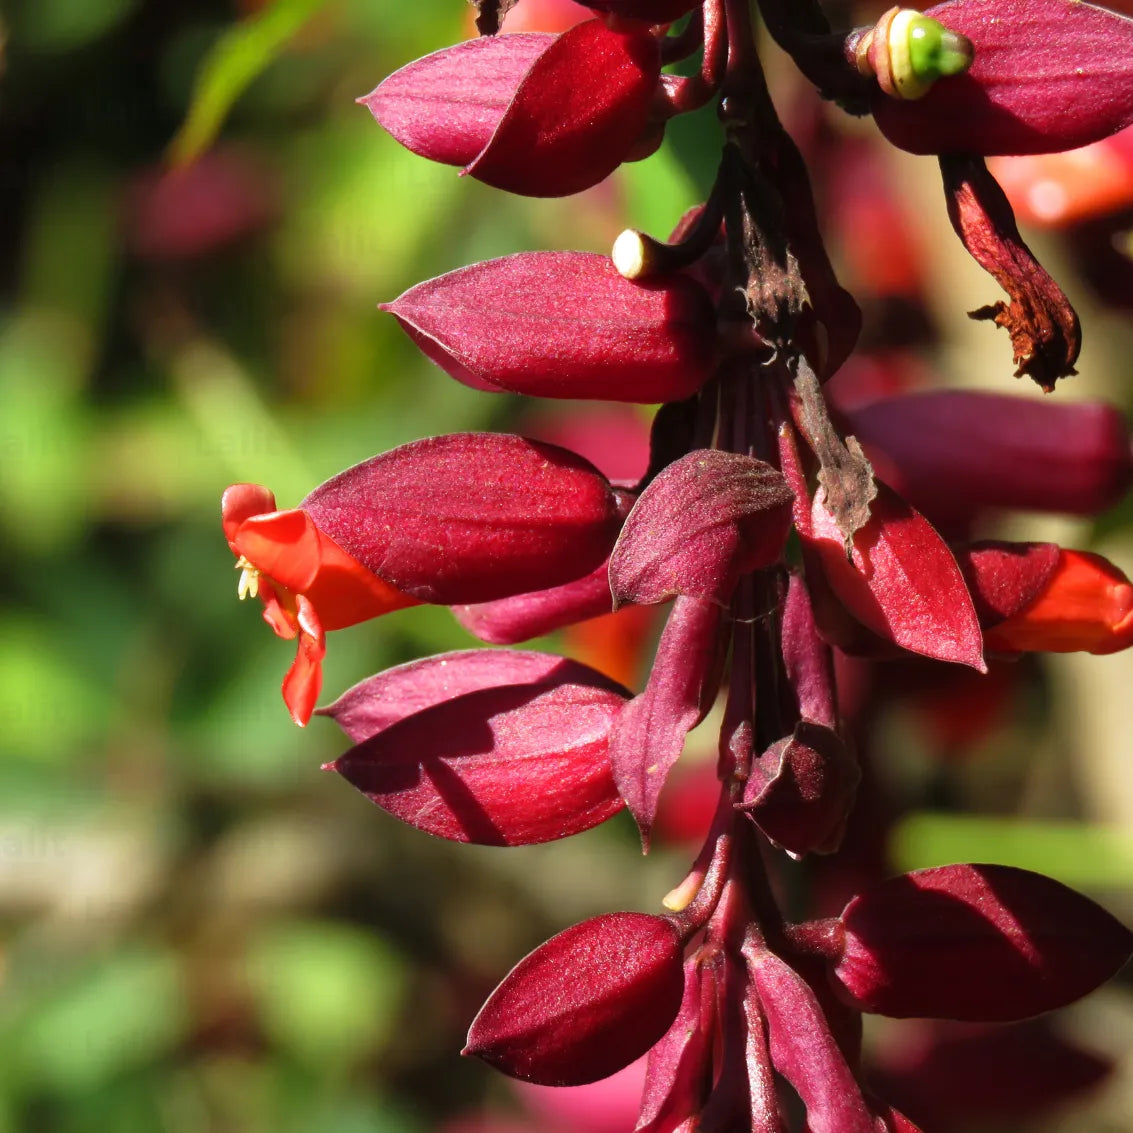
(237, 58)
(328, 994)
(62, 25)
(115, 1015)
(1075, 853)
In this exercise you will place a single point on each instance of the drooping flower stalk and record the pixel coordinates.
(762, 521)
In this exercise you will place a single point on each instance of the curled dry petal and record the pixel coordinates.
(950, 451)
(507, 765)
(564, 324)
(706, 519)
(471, 517)
(379, 701)
(1048, 75)
(576, 114)
(982, 943)
(901, 581)
(447, 105)
(1044, 329)
(802, 789)
(586, 1003)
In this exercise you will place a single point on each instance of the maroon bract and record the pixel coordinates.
(586, 1003)
(576, 115)
(1047, 75)
(1005, 578)
(524, 616)
(954, 451)
(507, 765)
(976, 942)
(471, 517)
(803, 1049)
(447, 105)
(541, 115)
(650, 731)
(564, 325)
(374, 704)
(705, 520)
(901, 581)
(677, 1076)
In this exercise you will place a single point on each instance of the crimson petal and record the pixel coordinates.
(576, 114)
(471, 516)
(705, 520)
(446, 106)
(902, 582)
(382, 700)
(510, 765)
(586, 1003)
(982, 943)
(1048, 75)
(566, 325)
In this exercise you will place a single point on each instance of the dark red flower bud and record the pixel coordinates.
(503, 765)
(650, 731)
(471, 516)
(801, 790)
(706, 519)
(983, 943)
(901, 580)
(950, 451)
(586, 1003)
(1047, 75)
(564, 324)
(545, 116)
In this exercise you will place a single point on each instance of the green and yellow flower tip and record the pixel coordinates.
(921, 50)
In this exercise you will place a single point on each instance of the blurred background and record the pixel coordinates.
(200, 930)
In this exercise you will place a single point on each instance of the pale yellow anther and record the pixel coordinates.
(676, 900)
(249, 584)
(631, 255)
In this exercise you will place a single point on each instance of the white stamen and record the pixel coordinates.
(249, 584)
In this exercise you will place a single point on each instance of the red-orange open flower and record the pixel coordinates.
(306, 581)
(1086, 605)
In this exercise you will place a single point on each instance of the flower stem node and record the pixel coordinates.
(908, 52)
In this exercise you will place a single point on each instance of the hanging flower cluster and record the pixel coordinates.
(778, 526)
